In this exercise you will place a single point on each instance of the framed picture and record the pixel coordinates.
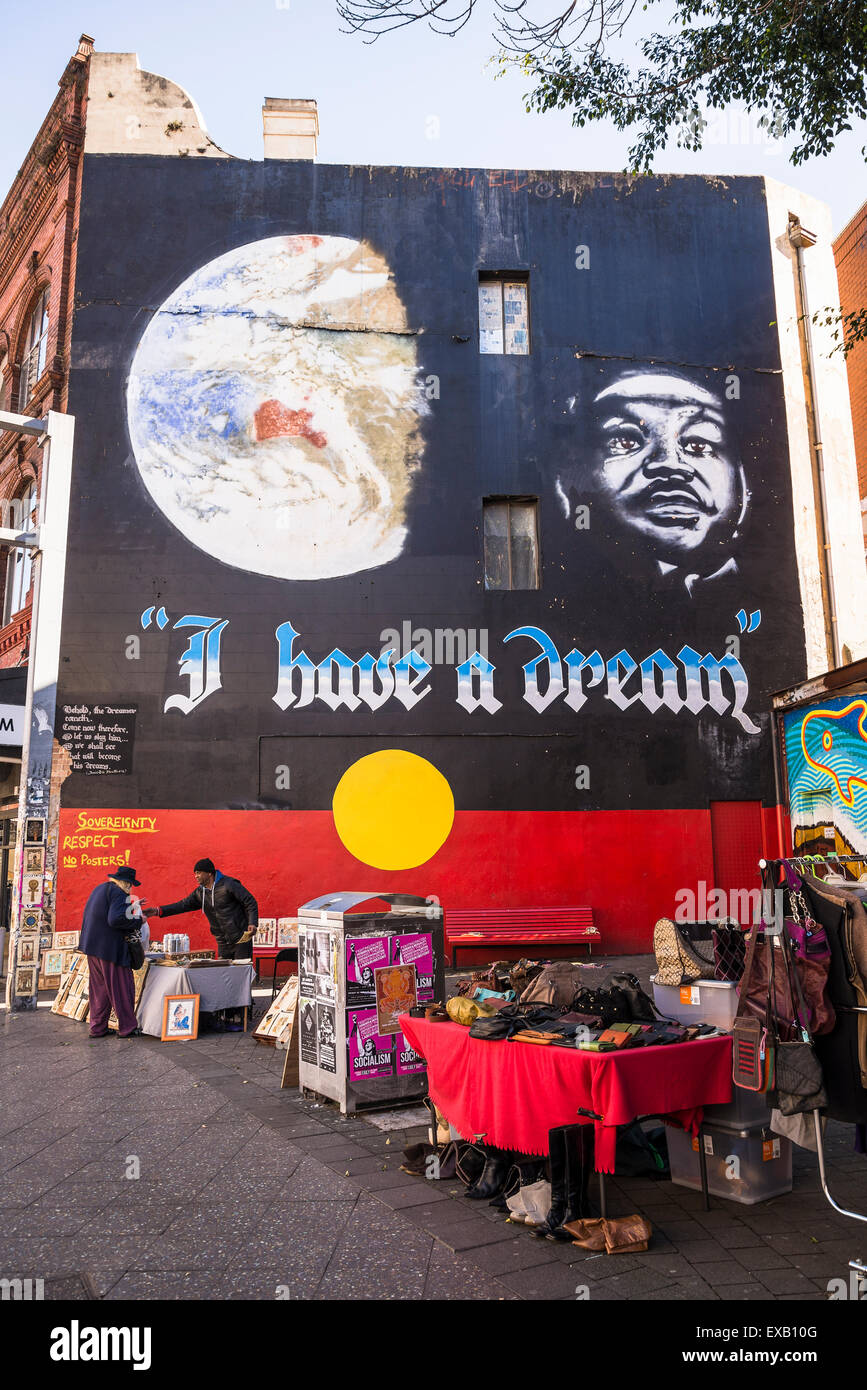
(180, 1017)
(266, 932)
(31, 890)
(31, 921)
(71, 999)
(45, 942)
(279, 1020)
(65, 940)
(28, 950)
(287, 932)
(34, 859)
(25, 979)
(52, 963)
(34, 830)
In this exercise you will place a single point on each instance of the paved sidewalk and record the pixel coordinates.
(249, 1192)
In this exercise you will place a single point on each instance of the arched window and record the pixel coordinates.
(19, 566)
(35, 349)
(4, 362)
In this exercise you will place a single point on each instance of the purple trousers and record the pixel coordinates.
(111, 987)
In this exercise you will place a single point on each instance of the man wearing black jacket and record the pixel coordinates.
(231, 910)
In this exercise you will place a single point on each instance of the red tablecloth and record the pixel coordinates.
(513, 1093)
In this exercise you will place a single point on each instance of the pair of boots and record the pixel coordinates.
(571, 1156)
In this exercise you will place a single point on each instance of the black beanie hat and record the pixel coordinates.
(205, 866)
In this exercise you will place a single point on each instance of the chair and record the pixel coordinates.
(291, 953)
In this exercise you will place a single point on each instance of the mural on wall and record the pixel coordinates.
(826, 762)
(273, 407)
(663, 476)
(281, 576)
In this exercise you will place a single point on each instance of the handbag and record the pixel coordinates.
(799, 1082)
(729, 952)
(556, 985)
(136, 949)
(641, 1006)
(609, 1005)
(681, 956)
(530, 1204)
(752, 1055)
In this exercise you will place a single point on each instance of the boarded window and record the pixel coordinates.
(511, 544)
(504, 315)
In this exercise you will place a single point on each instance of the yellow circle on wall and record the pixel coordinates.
(393, 809)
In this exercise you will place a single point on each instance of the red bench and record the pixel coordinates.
(520, 926)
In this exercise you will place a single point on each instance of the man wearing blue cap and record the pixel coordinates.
(109, 916)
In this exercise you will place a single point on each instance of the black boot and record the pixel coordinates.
(557, 1158)
(580, 1149)
(571, 1165)
(493, 1175)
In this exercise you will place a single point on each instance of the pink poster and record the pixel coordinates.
(370, 1054)
(364, 954)
(408, 1060)
(416, 949)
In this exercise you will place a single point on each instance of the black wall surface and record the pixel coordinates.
(679, 280)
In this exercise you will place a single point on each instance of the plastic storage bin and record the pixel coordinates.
(704, 1001)
(746, 1166)
(745, 1110)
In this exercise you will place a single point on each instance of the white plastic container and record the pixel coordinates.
(746, 1166)
(745, 1110)
(704, 1001)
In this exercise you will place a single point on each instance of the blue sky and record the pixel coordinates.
(411, 98)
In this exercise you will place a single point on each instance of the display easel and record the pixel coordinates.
(809, 863)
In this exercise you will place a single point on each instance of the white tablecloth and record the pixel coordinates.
(219, 987)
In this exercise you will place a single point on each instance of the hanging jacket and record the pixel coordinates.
(229, 907)
(843, 1053)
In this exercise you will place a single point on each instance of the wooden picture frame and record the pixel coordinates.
(51, 969)
(34, 859)
(278, 1022)
(172, 1003)
(72, 998)
(65, 940)
(26, 979)
(34, 830)
(28, 950)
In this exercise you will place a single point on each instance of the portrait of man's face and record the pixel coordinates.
(666, 468)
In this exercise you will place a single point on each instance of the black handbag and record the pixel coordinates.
(136, 949)
(641, 1007)
(799, 1082)
(729, 953)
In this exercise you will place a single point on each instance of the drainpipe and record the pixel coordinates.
(800, 239)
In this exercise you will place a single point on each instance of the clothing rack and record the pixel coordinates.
(810, 862)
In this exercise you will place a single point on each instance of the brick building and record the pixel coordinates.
(850, 254)
(382, 427)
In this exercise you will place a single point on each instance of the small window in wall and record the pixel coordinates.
(504, 314)
(4, 364)
(511, 543)
(35, 350)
